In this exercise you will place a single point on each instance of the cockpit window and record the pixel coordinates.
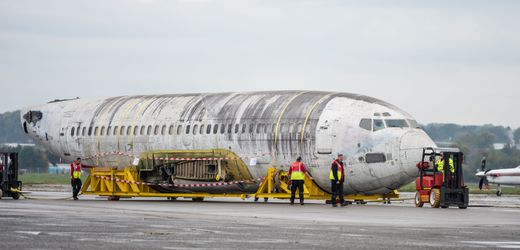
(366, 124)
(378, 124)
(413, 124)
(396, 123)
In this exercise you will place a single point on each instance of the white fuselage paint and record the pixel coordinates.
(506, 176)
(332, 129)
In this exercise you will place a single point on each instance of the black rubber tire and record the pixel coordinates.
(418, 202)
(499, 193)
(113, 198)
(16, 196)
(463, 207)
(435, 198)
(197, 199)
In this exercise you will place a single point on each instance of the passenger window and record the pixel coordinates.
(215, 129)
(163, 130)
(259, 128)
(179, 129)
(83, 131)
(156, 130)
(201, 131)
(236, 128)
(102, 130)
(251, 128)
(244, 127)
(229, 128)
(136, 130)
(195, 129)
(366, 124)
(122, 130)
(187, 129)
(96, 130)
(378, 124)
(142, 130)
(78, 130)
(222, 128)
(128, 130)
(170, 130)
(72, 131)
(109, 130)
(149, 130)
(116, 130)
(208, 129)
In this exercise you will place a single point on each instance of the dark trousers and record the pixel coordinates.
(337, 191)
(296, 184)
(76, 186)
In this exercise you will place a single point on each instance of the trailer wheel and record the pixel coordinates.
(435, 198)
(16, 196)
(418, 202)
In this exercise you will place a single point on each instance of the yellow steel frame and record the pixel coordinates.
(274, 186)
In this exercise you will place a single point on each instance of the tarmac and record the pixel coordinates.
(51, 222)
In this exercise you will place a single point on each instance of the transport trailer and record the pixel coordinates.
(115, 183)
(9, 183)
(441, 179)
(199, 174)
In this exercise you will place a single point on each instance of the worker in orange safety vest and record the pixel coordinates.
(75, 177)
(297, 173)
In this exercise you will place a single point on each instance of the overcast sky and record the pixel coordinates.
(442, 61)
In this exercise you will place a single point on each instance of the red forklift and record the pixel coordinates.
(9, 175)
(441, 189)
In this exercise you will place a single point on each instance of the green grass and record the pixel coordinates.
(473, 189)
(32, 178)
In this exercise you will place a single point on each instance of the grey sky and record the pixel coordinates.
(410, 53)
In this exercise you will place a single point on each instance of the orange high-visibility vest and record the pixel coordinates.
(297, 171)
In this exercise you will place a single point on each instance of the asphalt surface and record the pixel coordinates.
(93, 223)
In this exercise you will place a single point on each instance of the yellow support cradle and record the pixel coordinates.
(115, 183)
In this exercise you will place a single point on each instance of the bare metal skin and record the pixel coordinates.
(279, 126)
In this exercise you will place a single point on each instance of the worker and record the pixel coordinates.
(75, 180)
(337, 178)
(297, 173)
(440, 164)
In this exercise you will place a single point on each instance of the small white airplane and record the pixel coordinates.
(505, 176)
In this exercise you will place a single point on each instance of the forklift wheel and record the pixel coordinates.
(16, 196)
(418, 202)
(435, 198)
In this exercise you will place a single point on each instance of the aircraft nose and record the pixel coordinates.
(415, 140)
(410, 148)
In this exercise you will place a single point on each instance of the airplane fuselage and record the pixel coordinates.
(381, 142)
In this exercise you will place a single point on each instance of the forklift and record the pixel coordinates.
(441, 189)
(9, 175)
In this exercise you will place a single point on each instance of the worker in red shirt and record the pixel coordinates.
(297, 173)
(75, 177)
